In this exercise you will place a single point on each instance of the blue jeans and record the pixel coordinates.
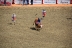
(27, 1)
(23, 2)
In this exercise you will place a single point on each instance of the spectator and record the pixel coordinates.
(20, 1)
(0, 2)
(23, 2)
(31, 2)
(27, 2)
(13, 2)
(5, 2)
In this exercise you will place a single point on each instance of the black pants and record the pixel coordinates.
(31, 2)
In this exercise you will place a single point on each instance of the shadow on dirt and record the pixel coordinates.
(10, 23)
(33, 28)
(69, 18)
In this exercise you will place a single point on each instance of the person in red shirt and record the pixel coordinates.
(43, 13)
(14, 18)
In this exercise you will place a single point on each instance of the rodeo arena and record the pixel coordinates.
(35, 23)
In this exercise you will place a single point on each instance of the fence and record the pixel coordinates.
(9, 2)
(45, 1)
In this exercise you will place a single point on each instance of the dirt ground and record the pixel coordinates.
(56, 31)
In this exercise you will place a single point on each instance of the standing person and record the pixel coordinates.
(19, 2)
(5, 2)
(27, 2)
(31, 2)
(13, 2)
(13, 18)
(23, 2)
(43, 13)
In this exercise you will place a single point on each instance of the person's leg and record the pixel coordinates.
(27, 1)
(13, 2)
(23, 2)
(5, 2)
(31, 2)
(20, 2)
(14, 22)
